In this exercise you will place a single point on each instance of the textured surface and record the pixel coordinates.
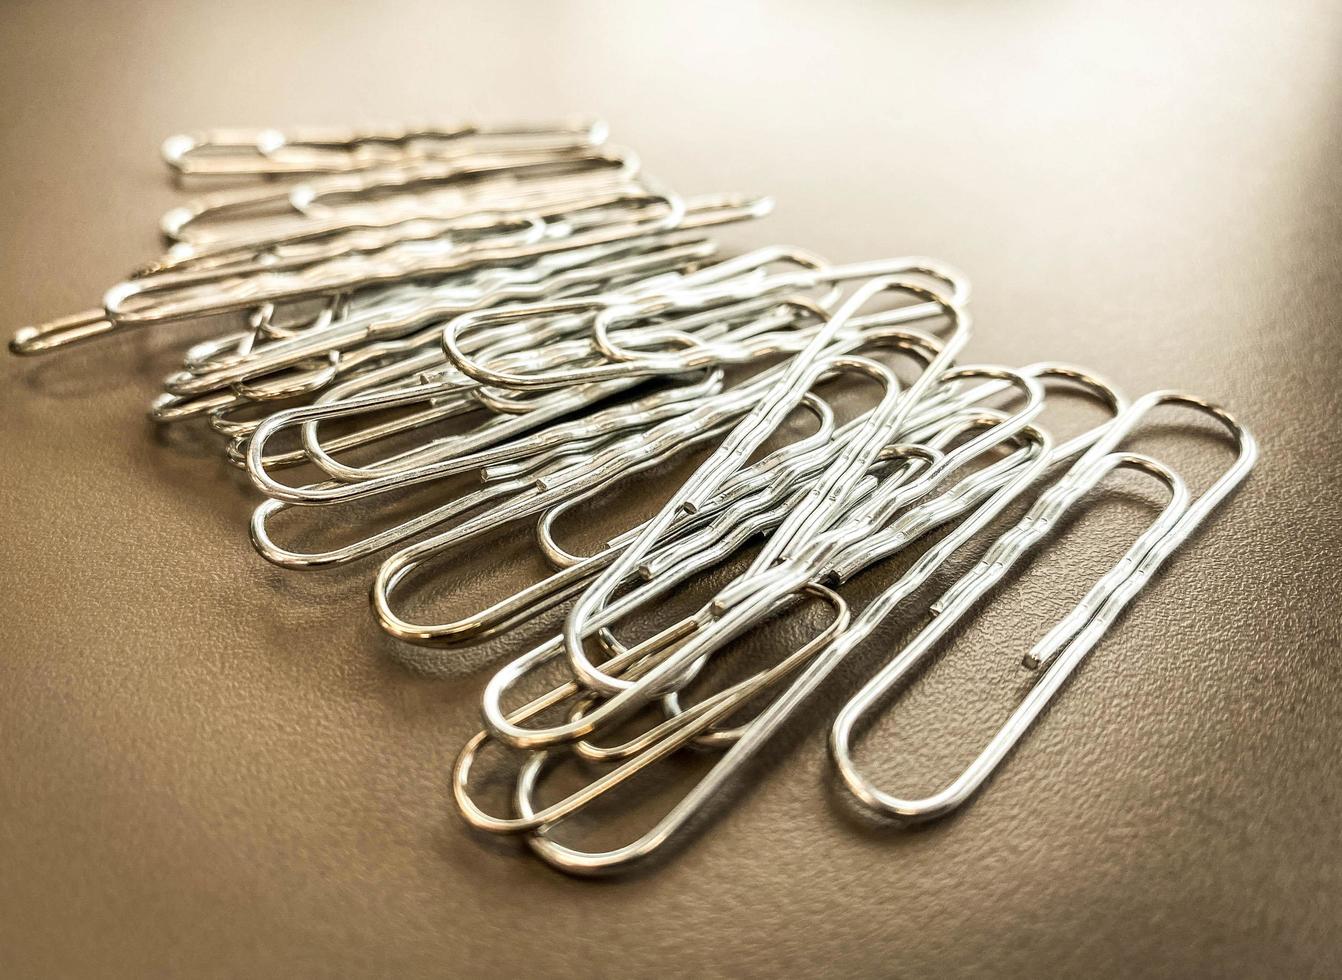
(212, 767)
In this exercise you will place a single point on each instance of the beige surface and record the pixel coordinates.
(212, 767)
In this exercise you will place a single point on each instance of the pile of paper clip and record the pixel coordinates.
(524, 304)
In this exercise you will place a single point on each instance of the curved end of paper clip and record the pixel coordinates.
(174, 150)
(61, 332)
